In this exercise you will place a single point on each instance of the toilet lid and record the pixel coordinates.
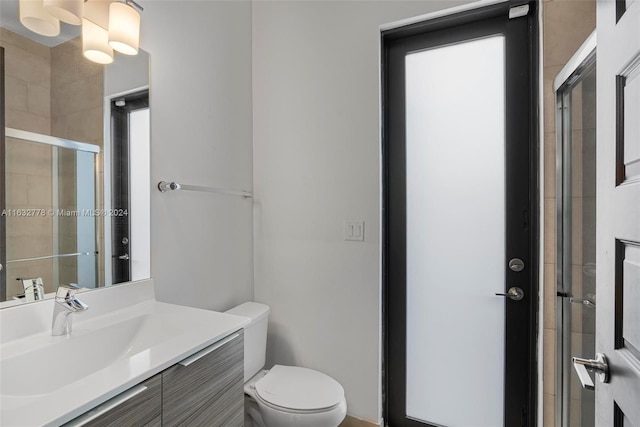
(298, 388)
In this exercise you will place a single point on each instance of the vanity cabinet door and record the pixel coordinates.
(138, 406)
(206, 389)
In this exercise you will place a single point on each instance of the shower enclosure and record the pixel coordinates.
(51, 215)
(576, 232)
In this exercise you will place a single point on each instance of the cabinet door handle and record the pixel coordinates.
(107, 406)
(202, 353)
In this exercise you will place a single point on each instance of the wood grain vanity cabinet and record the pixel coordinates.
(141, 405)
(205, 389)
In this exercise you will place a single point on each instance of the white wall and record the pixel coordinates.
(201, 134)
(126, 73)
(316, 164)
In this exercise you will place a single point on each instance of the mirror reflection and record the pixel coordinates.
(50, 196)
(76, 171)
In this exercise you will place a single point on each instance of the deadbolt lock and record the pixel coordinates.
(516, 264)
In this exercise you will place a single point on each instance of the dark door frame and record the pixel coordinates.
(121, 107)
(394, 364)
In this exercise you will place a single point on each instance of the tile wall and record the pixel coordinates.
(29, 168)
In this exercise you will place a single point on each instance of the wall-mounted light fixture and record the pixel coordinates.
(124, 28)
(95, 43)
(107, 25)
(69, 11)
(35, 17)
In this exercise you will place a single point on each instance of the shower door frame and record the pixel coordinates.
(583, 60)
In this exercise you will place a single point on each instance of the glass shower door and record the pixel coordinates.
(576, 268)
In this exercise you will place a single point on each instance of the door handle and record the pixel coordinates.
(588, 300)
(124, 257)
(599, 365)
(514, 292)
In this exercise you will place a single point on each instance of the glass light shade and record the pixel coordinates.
(69, 11)
(95, 43)
(124, 28)
(34, 16)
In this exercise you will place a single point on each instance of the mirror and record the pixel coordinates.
(76, 171)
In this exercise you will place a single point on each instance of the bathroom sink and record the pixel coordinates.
(78, 355)
(82, 353)
(124, 338)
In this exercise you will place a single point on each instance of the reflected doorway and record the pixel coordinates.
(130, 197)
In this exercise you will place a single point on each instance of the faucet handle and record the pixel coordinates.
(77, 305)
(65, 295)
(67, 291)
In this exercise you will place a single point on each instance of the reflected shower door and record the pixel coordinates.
(459, 207)
(73, 184)
(51, 211)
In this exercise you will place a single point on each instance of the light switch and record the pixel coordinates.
(354, 231)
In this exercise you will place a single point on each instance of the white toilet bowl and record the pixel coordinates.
(290, 396)
(284, 396)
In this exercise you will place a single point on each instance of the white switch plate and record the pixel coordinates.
(354, 231)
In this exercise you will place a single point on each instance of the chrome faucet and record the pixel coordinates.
(66, 304)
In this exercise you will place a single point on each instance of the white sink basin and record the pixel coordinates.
(77, 356)
(109, 350)
(80, 354)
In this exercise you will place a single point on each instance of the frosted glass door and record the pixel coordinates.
(140, 202)
(455, 190)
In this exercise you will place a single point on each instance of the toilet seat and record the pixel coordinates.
(299, 390)
(270, 405)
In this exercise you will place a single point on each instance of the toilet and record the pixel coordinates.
(284, 396)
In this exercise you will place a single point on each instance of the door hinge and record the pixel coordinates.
(518, 11)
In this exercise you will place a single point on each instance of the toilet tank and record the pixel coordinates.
(255, 336)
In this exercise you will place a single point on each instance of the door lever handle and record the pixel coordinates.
(124, 257)
(514, 292)
(599, 365)
(588, 301)
(584, 377)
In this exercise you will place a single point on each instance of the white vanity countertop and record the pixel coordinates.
(106, 353)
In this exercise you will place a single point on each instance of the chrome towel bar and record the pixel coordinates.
(165, 186)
